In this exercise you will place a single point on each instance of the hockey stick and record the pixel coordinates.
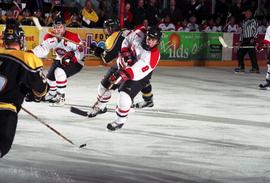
(81, 112)
(225, 45)
(40, 28)
(51, 128)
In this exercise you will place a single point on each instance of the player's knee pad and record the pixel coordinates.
(60, 74)
(124, 103)
(104, 94)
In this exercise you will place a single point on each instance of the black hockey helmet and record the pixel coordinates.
(154, 33)
(13, 33)
(111, 25)
(58, 20)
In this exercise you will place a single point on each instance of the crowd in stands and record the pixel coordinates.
(178, 15)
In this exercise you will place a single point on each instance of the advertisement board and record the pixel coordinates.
(190, 46)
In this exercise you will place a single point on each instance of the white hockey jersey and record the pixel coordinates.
(60, 46)
(267, 36)
(146, 61)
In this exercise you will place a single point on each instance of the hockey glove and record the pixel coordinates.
(97, 50)
(30, 97)
(259, 47)
(68, 58)
(119, 76)
(127, 59)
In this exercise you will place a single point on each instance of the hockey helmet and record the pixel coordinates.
(111, 25)
(13, 33)
(58, 21)
(154, 33)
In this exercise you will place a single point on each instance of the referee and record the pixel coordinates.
(248, 36)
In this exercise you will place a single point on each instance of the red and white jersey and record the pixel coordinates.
(60, 46)
(146, 61)
(267, 36)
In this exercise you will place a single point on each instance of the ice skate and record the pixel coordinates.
(239, 70)
(148, 102)
(48, 97)
(95, 111)
(143, 104)
(114, 126)
(265, 85)
(58, 101)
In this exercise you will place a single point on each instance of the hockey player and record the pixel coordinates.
(138, 58)
(112, 48)
(134, 72)
(260, 47)
(20, 73)
(68, 61)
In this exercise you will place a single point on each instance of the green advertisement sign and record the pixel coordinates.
(190, 46)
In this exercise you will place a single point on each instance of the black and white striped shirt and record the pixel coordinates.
(249, 29)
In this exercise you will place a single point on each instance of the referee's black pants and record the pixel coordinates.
(251, 52)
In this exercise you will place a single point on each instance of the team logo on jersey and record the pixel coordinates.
(60, 51)
(3, 82)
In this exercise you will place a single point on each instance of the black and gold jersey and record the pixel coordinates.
(20, 73)
(113, 46)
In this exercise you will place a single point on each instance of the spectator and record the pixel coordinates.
(145, 23)
(182, 26)
(210, 26)
(261, 25)
(167, 25)
(218, 24)
(193, 9)
(38, 13)
(192, 25)
(233, 26)
(102, 13)
(89, 16)
(128, 17)
(74, 21)
(27, 20)
(173, 11)
(152, 12)
(50, 18)
(2, 21)
(139, 13)
(221, 9)
(236, 10)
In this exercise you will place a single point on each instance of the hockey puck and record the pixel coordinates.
(83, 145)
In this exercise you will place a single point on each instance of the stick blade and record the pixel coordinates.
(78, 111)
(222, 42)
(36, 22)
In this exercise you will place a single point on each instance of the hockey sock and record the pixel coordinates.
(52, 89)
(104, 95)
(268, 72)
(123, 107)
(61, 80)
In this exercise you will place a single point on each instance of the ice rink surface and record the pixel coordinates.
(208, 125)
